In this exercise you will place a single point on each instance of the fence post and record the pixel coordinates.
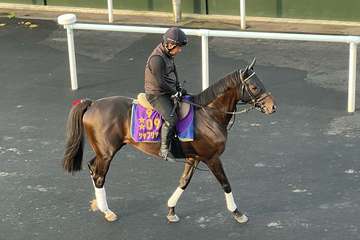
(110, 10)
(205, 58)
(242, 15)
(177, 10)
(352, 77)
(67, 20)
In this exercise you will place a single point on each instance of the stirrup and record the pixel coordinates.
(164, 154)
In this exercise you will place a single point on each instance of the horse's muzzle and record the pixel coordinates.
(267, 105)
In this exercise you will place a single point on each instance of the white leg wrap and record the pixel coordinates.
(101, 199)
(175, 197)
(100, 195)
(230, 203)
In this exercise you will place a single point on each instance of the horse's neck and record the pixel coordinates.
(224, 103)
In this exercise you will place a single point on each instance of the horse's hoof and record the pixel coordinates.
(173, 218)
(93, 205)
(110, 216)
(241, 218)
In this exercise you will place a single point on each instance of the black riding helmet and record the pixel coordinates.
(175, 36)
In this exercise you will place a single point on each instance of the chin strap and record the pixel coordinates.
(168, 49)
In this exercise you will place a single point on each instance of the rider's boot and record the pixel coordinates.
(165, 142)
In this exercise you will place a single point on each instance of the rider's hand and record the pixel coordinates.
(176, 95)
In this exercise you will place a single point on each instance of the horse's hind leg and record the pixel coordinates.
(185, 178)
(216, 168)
(91, 165)
(99, 167)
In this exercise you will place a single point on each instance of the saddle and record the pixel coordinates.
(146, 122)
(182, 110)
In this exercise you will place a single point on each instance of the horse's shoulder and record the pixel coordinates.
(208, 125)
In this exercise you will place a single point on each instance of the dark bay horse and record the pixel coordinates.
(107, 125)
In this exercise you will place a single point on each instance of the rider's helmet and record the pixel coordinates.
(175, 36)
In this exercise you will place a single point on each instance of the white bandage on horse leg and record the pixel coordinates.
(230, 203)
(100, 195)
(101, 202)
(175, 197)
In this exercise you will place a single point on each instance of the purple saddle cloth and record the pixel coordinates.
(146, 125)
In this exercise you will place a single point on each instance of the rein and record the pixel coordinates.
(204, 107)
(234, 113)
(254, 101)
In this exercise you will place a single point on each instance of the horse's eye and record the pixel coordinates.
(254, 88)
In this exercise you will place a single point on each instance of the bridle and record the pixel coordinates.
(255, 100)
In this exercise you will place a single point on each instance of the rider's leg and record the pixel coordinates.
(167, 132)
(165, 106)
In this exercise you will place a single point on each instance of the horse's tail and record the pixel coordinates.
(75, 136)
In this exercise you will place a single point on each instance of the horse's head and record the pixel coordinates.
(252, 91)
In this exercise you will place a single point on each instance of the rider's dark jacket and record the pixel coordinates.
(160, 73)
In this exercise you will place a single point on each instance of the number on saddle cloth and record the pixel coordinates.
(146, 121)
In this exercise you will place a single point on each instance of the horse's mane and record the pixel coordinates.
(217, 89)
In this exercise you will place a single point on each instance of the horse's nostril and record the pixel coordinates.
(274, 108)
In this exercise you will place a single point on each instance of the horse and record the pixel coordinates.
(106, 123)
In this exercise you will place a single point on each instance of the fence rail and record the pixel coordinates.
(69, 23)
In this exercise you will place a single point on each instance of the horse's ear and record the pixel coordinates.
(245, 70)
(251, 66)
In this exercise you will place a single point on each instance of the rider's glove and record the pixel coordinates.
(176, 95)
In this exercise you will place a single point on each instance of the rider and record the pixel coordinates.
(162, 83)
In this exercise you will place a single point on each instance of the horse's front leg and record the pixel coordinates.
(216, 168)
(185, 178)
(98, 169)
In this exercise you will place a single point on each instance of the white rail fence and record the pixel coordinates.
(69, 23)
